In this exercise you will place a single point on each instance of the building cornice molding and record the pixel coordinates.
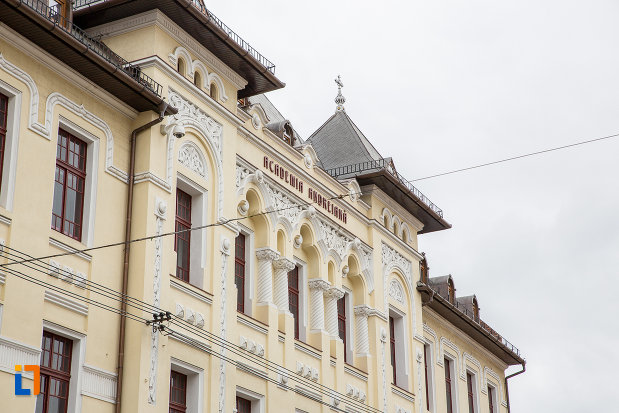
(161, 21)
(65, 71)
(463, 336)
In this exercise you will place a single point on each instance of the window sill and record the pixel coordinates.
(70, 248)
(355, 369)
(252, 323)
(191, 289)
(5, 220)
(405, 394)
(306, 348)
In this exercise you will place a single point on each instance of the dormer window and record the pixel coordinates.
(475, 310)
(59, 10)
(451, 291)
(423, 270)
(288, 136)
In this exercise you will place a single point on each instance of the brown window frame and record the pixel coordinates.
(70, 172)
(426, 348)
(181, 223)
(4, 119)
(448, 386)
(293, 292)
(491, 391)
(239, 271)
(49, 372)
(392, 349)
(243, 405)
(470, 394)
(175, 405)
(341, 323)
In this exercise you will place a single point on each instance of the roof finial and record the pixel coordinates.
(339, 99)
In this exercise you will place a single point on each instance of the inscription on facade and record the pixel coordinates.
(295, 182)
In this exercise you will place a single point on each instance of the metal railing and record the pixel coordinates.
(199, 5)
(386, 164)
(475, 318)
(54, 15)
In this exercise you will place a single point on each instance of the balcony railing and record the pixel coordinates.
(475, 318)
(54, 15)
(383, 164)
(199, 5)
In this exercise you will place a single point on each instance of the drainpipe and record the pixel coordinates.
(163, 108)
(524, 368)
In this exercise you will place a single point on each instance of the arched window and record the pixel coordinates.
(423, 270)
(213, 92)
(475, 309)
(197, 79)
(288, 134)
(451, 291)
(180, 66)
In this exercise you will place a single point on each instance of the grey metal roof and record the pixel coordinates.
(274, 115)
(339, 142)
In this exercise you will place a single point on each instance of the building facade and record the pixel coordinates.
(171, 244)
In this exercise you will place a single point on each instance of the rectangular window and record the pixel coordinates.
(182, 240)
(243, 405)
(341, 322)
(491, 399)
(178, 392)
(68, 206)
(426, 349)
(4, 111)
(469, 387)
(293, 298)
(448, 385)
(55, 374)
(239, 272)
(392, 347)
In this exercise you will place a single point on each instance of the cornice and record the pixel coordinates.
(158, 63)
(161, 21)
(463, 336)
(64, 71)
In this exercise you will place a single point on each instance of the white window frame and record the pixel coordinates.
(303, 298)
(431, 376)
(350, 348)
(74, 402)
(195, 384)
(475, 386)
(494, 394)
(90, 188)
(257, 399)
(249, 268)
(9, 172)
(453, 373)
(401, 347)
(198, 247)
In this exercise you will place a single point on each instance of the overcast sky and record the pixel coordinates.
(441, 85)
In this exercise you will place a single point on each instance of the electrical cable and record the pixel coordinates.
(515, 157)
(165, 234)
(224, 344)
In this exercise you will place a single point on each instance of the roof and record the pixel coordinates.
(344, 152)
(339, 142)
(274, 115)
(199, 23)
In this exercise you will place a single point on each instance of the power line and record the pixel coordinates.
(143, 306)
(166, 234)
(516, 157)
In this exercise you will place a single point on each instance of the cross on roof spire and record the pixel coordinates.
(339, 99)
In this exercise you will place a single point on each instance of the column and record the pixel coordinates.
(265, 274)
(362, 312)
(317, 305)
(282, 267)
(332, 295)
